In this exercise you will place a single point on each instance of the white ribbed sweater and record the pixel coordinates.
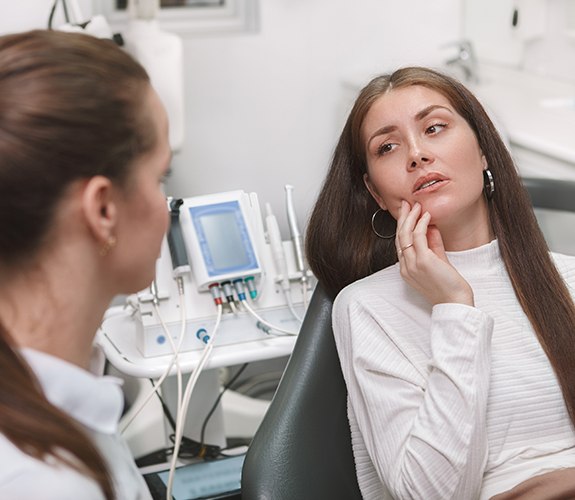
(450, 402)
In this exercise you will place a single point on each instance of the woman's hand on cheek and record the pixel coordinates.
(423, 262)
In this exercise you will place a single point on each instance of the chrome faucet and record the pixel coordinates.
(465, 61)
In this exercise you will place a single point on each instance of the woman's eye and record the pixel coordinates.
(384, 148)
(435, 128)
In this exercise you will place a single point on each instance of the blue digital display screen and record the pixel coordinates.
(201, 480)
(223, 237)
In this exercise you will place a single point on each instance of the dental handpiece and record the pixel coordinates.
(175, 237)
(277, 247)
(295, 234)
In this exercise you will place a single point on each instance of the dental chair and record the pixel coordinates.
(554, 204)
(553, 194)
(302, 449)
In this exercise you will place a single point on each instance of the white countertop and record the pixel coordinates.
(535, 112)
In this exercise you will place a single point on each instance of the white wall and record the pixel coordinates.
(553, 53)
(265, 109)
(543, 42)
(27, 14)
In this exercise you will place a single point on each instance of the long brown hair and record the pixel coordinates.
(70, 108)
(342, 248)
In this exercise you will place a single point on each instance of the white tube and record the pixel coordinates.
(181, 417)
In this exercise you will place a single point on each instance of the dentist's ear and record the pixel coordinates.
(371, 188)
(99, 208)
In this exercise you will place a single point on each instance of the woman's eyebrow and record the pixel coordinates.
(381, 131)
(425, 111)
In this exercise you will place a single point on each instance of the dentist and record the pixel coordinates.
(83, 153)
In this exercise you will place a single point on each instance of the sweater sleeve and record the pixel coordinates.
(424, 428)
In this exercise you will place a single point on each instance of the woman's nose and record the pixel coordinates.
(418, 155)
(419, 161)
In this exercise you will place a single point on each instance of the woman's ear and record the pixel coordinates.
(371, 188)
(99, 208)
(484, 162)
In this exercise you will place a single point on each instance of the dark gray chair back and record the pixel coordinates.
(554, 204)
(302, 449)
(552, 194)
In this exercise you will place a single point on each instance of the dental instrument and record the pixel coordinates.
(297, 240)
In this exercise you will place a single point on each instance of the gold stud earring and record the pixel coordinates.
(111, 243)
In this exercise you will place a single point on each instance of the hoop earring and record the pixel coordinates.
(488, 183)
(379, 235)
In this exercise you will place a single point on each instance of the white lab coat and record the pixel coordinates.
(96, 403)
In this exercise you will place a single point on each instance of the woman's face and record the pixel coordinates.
(143, 212)
(419, 149)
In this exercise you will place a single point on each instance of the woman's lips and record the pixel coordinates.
(429, 183)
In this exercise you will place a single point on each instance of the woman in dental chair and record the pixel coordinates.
(455, 325)
(83, 152)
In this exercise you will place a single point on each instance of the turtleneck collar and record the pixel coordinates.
(477, 260)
